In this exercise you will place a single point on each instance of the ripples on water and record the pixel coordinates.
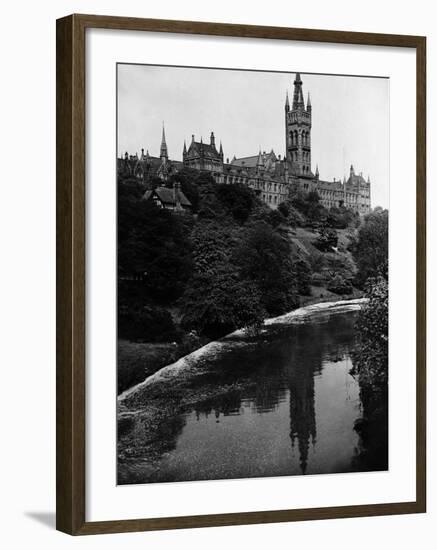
(285, 406)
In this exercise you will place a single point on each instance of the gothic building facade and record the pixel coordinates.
(272, 177)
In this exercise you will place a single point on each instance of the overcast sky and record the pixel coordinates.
(245, 109)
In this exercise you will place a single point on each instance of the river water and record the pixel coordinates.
(285, 404)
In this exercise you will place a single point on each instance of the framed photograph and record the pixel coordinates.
(240, 274)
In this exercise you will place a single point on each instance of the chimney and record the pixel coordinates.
(177, 195)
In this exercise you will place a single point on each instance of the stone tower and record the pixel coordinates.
(298, 131)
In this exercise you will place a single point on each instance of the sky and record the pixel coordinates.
(245, 110)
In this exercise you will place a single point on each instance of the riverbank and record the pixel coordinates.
(191, 364)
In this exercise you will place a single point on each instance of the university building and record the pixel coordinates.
(272, 177)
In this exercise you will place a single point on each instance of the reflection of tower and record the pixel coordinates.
(306, 362)
(302, 415)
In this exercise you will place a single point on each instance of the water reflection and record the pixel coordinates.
(284, 405)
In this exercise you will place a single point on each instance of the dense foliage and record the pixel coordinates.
(371, 357)
(153, 245)
(229, 266)
(370, 364)
(370, 249)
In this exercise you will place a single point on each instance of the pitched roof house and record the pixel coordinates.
(170, 199)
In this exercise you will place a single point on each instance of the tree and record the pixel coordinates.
(370, 249)
(218, 302)
(303, 274)
(264, 257)
(371, 355)
(308, 204)
(217, 299)
(187, 177)
(370, 363)
(153, 246)
(341, 217)
(237, 199)
(284, 209)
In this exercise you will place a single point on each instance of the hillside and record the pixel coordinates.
(325, 266)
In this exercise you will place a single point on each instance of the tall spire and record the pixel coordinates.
(287, 102)
(298, 102)
(221, 150)
(184, 152)
(164, 152)
(317, 171)
(309, 107)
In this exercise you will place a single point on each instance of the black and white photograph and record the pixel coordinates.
(252, 273)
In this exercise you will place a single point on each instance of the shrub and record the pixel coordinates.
(327, 239)
(339, 285)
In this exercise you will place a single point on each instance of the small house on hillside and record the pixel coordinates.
(170, 199)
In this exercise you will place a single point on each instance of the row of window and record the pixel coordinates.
(305, 138)
(305, 156)
(258, 184)
(270, 199)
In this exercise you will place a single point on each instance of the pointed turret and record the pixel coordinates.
(309, 107)
(317, 171)
(221, 150)
(184, 152)
(164, 152)
(212, 140)
(287, 102)
(298, 102)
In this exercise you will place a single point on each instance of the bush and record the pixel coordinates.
(317, 261)
(275, 218)
(339, 285)
(327, 239)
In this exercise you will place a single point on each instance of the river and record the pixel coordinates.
(283, 403)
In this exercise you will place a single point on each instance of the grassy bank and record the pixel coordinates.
(138, 360)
